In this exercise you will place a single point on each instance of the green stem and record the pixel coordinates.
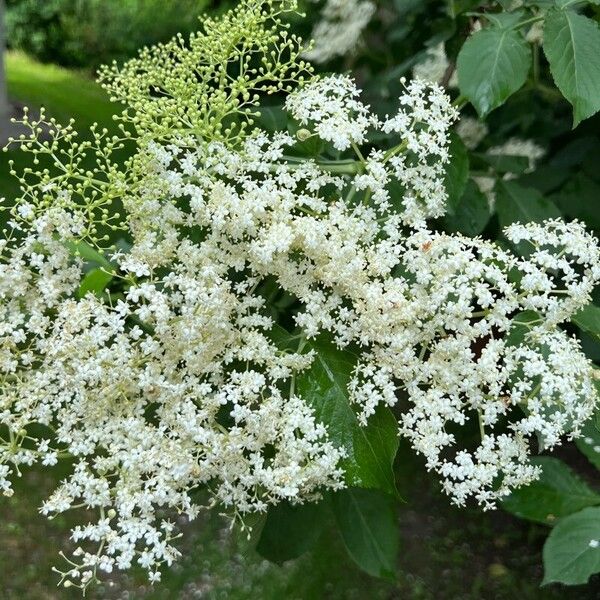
(460, 102)
(340, 167)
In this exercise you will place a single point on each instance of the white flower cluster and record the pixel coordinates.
(434, 314)
(338, 31)
(173, 381)
(471, 131)
(172, 386)
(528, 149)
(331, 108)
(435, 67)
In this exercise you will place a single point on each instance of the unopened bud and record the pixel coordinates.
(303, 134)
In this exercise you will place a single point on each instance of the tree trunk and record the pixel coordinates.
(4, 107)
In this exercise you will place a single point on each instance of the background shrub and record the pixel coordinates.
(88, 33)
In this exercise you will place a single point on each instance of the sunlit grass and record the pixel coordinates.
(64, 94)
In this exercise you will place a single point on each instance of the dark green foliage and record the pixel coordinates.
(88, 33)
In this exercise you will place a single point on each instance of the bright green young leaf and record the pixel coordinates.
(95, 281)
(370, 449)
(572, 550)
(588, 319)
(572, 47)
(557, 493)
(457, 171)
(367, 522)
(290, 530)
(589, 442)
(492, 64)
(515, 203)
(471, 214)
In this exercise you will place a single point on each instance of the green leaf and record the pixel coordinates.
(290, 530)
(471, 214)
(504, 163)
(579, 199)
(272, 118)
(521, 324)
(370, 449)
(568, 556)
(557, 493)
(492, 64)
(572, 47)
(457, 172)
(505, 20)
(367, 522)
(568, 3)
(589, 442)
(88, 253)
(515, 203)
(588, 319)
(95, 281)
(545, 179)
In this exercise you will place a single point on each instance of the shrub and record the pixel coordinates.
(88, 33)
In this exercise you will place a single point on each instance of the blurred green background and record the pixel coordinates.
(447, 553)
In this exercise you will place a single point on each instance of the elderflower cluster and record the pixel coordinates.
(518, 147)
(331, 109)
(435, 67)
(339, 29)
(172, 375)
(170, 387)
(471, 131)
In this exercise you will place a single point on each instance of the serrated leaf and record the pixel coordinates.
(545, 179)
(572, 550)
(573, 3)
(505, 20)
(572, 47)
(557, 493)
(517, 204)
(492, 65)
(471, 214)
(370, 449)
(367, 523)
(272, 118)
(290, 530)
(457, 171)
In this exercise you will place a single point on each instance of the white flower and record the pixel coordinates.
(332, 107)
(177, 381)
(471, 131)
(338, 31)
(434, 66)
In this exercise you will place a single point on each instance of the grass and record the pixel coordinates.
(447, 553)
(64, 94)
